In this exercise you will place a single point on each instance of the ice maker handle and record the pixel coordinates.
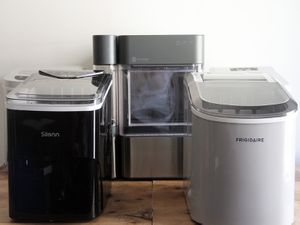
(65, 74)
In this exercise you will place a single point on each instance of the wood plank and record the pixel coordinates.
(169, 206)
(130, 203)
(4, 218)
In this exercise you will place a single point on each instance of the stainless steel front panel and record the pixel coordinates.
(152, 157)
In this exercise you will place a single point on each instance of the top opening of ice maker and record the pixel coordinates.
(238, 94)
(40, 90)
(241, 76)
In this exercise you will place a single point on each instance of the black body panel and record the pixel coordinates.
(57, 165)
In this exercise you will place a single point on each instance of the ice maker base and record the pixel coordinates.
(151, 157)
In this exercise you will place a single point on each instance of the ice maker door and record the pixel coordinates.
(152, 101)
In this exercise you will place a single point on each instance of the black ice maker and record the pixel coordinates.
(59, 167)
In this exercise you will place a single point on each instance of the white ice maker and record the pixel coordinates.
(243, 154)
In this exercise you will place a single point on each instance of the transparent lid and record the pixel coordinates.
(240, 96)
(41, 89)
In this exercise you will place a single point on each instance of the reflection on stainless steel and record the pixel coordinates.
(152, 157)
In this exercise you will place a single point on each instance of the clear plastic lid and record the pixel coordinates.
(244, 96)
(40, 89)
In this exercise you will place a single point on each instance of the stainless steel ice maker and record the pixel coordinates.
(153, 104)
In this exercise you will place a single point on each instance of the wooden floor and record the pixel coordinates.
(143, 203)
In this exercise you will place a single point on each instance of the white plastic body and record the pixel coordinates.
(8, 83)
(235, 182)
(3, 141)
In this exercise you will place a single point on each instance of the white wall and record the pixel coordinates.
(37, 33)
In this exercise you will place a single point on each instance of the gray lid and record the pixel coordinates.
(240, 98)
(39, 89)
(105, 49)
(160, 49)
